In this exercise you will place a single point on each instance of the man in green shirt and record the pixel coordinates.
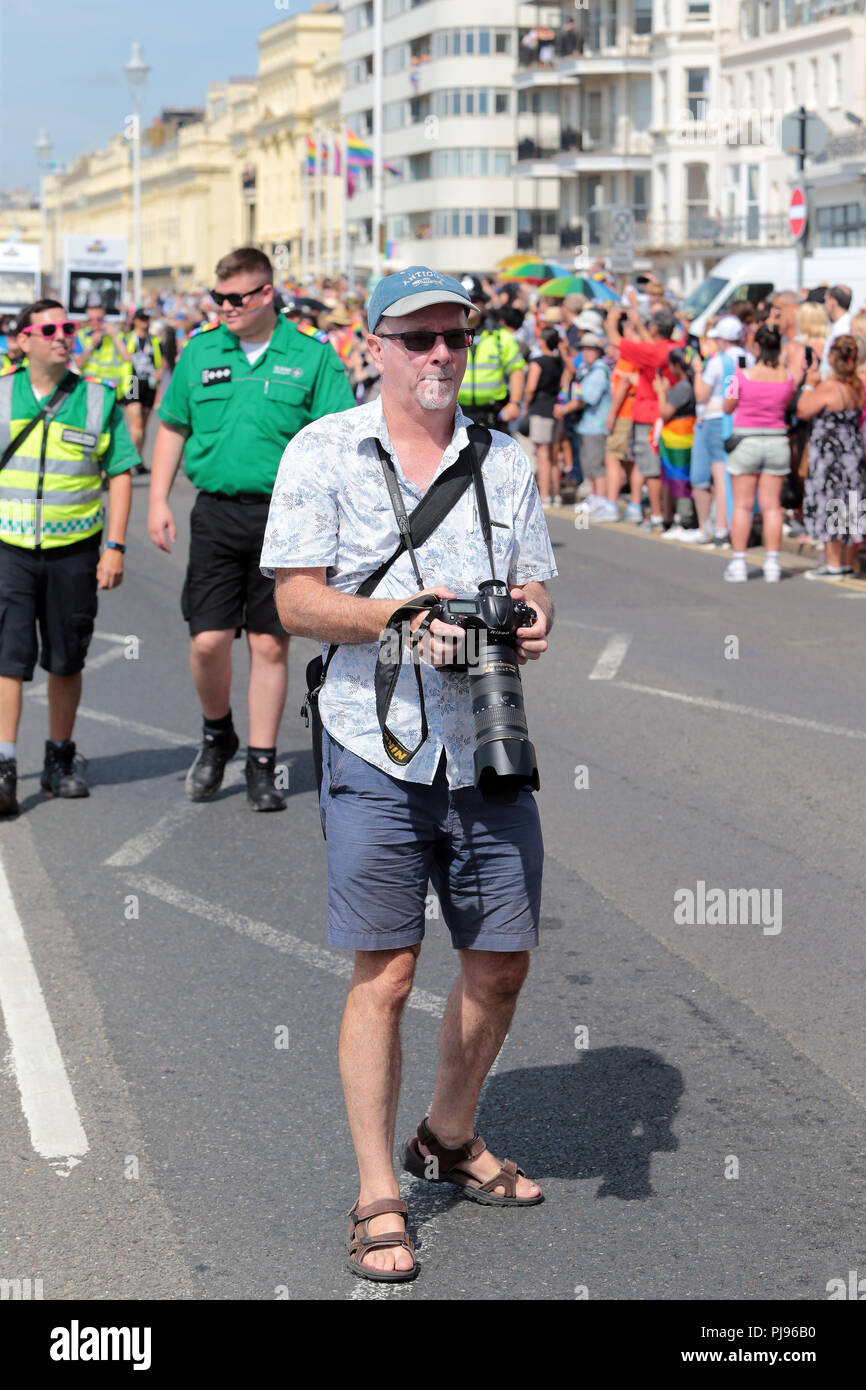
(59, 434)
(237, 396)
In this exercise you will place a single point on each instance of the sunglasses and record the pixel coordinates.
(424, 339)
(235, 300)
(67, 330)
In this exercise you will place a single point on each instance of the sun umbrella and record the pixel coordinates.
(536, 272)
(578, 284)
(518, 258)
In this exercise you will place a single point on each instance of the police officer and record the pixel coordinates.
(493, 385)
(58, 433)
(101, 351)
(237, 396)
(145, 353)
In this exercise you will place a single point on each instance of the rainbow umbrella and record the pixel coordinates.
(536, 272)
(508, 262)
(578, 284)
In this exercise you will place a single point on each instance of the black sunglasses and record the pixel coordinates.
(424, 339)
(235, 300)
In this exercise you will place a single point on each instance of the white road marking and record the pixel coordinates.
(792, 720)
(147, 730)
(113, 654)
(611, 658)
(56, 1131)
(113, 637)
(139, 847)
(320, 957)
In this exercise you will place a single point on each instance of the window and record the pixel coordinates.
(697, 200)
(469, 103)
(469, 41)
(697, 93)
(484, 224)
(611, 118)
(750, 91)
(769, 89)
(698, 12)
(643, 16)
(593, 116)
(640, 196)
(468, 224)
(503, 41)
(753, 202)
(836, 80)
(611, 25)
(483, 41)
(813, 82)
(663, 99)
(501, 104)
(483, 101)
(729, 93)
(749, 19)
(842, 225)
(641, 103)
(502, 224)
(790, 84)
(396, 59)
(770, 16)
(501, 162)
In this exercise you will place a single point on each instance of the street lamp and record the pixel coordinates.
(136, 71)
(43, 158)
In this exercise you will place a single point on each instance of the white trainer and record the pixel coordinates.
(737, 572)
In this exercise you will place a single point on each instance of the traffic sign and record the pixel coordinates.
(797, 212)
(814, 138)
(622, 241)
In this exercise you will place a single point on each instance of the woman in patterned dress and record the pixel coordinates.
(834, 505)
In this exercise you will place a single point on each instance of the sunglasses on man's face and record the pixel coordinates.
(424, 339)
(235, 300)
(66, 330)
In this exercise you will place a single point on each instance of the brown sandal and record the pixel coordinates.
(360, 1244)
(445, 1169)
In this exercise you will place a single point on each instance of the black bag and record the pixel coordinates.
(438, 501)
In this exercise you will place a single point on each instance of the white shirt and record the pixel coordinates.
(253, 351)
(331, 507)
(842, 325)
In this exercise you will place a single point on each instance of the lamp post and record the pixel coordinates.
(136, 71)
(43, 157)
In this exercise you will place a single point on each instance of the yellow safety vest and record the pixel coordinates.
(106, 363)
(489, 363)
(51, 488)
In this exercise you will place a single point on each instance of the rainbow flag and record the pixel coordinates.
(357, 153)
(675, 451)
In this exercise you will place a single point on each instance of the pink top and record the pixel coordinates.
(762, 404)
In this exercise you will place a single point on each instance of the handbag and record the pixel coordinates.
(441, 497)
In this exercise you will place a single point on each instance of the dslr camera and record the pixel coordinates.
(504, 757)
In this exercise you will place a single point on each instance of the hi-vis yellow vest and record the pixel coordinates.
(51, 488)
(106, 363)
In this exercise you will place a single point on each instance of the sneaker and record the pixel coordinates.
(609, 511)
(695, 536)
(262, 795)
(62, 773)
(557, 501)
(8, 787)
(675, 532)
(772, 572)
(633, 512)
(737, 572)
(825, 572)
(723, 541)
(656, 527)
(205, 777)
(590, 503)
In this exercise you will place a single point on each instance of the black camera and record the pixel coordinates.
(504, 757)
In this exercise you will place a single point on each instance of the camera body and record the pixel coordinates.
(493, 611)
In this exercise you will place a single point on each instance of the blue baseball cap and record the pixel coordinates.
(415, 288)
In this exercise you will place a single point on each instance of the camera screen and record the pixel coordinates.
(461, 606)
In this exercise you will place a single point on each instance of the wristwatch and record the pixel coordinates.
(115, 545)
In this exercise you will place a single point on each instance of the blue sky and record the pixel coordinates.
(61, 66)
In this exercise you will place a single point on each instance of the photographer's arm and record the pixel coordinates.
(531, 646)
(307, 607)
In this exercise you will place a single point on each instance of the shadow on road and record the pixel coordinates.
(138, 765)
(602, 1117)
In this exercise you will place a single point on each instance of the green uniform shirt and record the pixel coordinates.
(240, 418)
(489, 363)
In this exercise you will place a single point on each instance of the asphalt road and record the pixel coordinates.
(707, 1141)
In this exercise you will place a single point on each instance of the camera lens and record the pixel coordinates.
(504, 757)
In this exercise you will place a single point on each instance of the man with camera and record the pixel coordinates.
(427, 773)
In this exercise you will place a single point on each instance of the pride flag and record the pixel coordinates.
(675, 450)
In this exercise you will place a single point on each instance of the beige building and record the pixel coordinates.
(227, 175)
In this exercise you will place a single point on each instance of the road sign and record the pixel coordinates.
(815, 139)
(622, 241)
(797, 212)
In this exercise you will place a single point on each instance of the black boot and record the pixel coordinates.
(8, 786)
(62, 774)
(262, 795)
(205, 777)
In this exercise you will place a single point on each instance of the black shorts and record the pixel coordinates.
(53, 590)
(145, 395)
(224, 586)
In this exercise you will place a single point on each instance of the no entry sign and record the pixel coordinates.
(797, 212)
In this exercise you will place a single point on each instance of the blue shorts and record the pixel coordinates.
(707, 449)
(387, 839)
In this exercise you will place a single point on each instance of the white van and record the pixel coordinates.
(756, 275)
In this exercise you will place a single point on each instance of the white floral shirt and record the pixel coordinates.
(331, 507)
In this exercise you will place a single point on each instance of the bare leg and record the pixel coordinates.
(743, 486)
(654, 487)
(210, 660)
(721, 495)
(64, 693)
(542, 455)
(370, 1062)
(770, 502)
(702, 496)
(11, 690)
(269, 680)
(477, 1015)
(613, 469)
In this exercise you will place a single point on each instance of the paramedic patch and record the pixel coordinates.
(211, 375)
(82, 437)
